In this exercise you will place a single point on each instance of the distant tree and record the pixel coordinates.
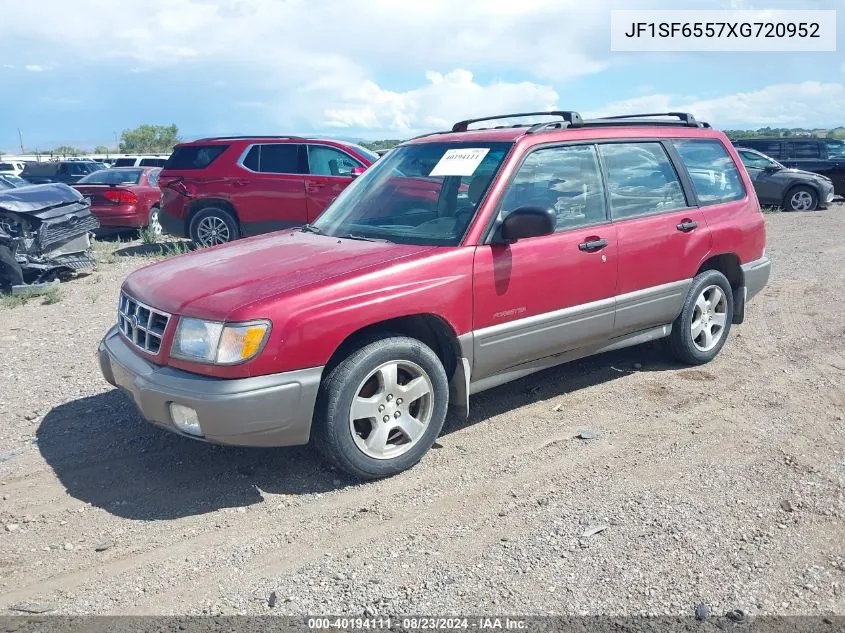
(67, 150)
(383, 144)
(101, 149)
(149, 139)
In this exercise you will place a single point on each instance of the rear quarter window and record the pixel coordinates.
(194, 156)
(713, 172)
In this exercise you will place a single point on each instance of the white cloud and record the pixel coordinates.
(452, 96)
(36, 68)
(779, 105)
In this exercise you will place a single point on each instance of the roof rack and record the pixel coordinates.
(248, 136)
(686, 119)
(570, 117)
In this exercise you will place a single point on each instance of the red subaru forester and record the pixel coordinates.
(459, 261)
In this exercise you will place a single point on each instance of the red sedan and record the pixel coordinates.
(124, 197)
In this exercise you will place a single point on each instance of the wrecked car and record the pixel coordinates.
(45, 232)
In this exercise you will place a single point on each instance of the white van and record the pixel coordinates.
(13, 167)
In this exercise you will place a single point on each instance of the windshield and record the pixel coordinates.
(363, 151)
(113, 177)
(424, 194)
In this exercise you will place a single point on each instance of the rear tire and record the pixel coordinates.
(702, 328)
(380, 410)
(801, 198)
(212, 226)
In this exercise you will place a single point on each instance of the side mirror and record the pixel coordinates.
(357, 171)
(772, 168)
(529, 221)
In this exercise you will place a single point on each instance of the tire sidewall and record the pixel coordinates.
(681, 334)
(341, 388)
(788, 202)
(154, 211)
(217, 212)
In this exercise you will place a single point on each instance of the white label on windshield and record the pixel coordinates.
(460, 162)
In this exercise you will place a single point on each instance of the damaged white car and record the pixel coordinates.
(45, 232)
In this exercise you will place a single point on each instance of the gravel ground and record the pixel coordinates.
(722, 485)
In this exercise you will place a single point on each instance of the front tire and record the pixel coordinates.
(702, 328)
(212, 226)
(380, 410)
(801, 198)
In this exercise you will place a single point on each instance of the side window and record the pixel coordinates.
(641, 180)
(754, 161)
(329, 161)
(279, 158)
(714, 175)
(805, 149)
(835, 149)
(769, 148)
(253, 158)
(153, 177)
(567, 179)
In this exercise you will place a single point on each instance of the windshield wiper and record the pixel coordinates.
(363, 238)
(310, 228)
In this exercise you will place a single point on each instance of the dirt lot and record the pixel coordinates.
(723, 484)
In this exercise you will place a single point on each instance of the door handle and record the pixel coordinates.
(240, 182)
(593, 245)
(314, 187)
(687, 225)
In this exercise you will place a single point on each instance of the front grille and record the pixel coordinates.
(58, 231)
(142, 325)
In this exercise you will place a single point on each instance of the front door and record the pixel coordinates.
(547, 295)
(329, 173)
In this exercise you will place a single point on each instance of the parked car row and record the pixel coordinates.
(459, 261)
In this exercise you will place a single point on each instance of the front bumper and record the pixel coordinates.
(756, 275)
(827, 194)
(272, 410)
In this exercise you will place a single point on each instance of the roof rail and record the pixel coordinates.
(685, 117)
(569, 116)
(248, 136)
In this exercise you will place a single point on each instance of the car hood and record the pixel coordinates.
(213, 282)
(44, 202)
(804, 174)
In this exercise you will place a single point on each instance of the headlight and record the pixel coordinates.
(218, 343)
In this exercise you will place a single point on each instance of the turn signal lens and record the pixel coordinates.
(241, 342)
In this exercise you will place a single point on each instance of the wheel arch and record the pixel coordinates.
(198, 205)
(430, 329)
(795, 184)
(729, 265)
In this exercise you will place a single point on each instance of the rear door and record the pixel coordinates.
(808, 155)
(269, 194)
(329, 173)
(546, 295)
(663, 237)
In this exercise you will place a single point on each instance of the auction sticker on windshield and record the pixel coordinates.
(460, 162)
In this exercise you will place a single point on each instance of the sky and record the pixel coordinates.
(78, 73)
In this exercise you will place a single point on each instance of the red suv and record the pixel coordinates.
(458, 262)
(218, 189)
